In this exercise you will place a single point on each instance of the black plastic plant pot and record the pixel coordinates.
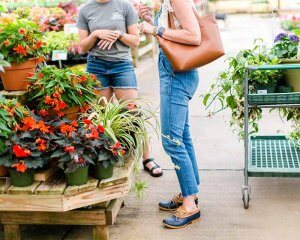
(100, 172)
(20, 179)
(266, 89)
(79, 177)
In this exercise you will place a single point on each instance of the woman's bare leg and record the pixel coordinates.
(127, 94)
(107, 93)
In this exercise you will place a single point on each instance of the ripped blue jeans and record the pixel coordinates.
(176, 90)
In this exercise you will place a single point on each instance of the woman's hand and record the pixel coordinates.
(145, 13)
(107, 35)
(107, 44)
(147, 28)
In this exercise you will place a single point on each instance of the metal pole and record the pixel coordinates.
(246, 130)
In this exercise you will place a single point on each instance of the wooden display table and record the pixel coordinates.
(50, 203)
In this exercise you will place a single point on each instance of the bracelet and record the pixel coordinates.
(155, 31)
(161, 31)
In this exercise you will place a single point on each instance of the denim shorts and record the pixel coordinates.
(118, 74)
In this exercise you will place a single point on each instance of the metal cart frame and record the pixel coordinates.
(246, 189)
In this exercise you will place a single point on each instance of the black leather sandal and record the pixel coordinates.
(151, 171)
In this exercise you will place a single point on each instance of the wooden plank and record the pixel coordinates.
(95, 196)
(113, 210)
(120, 175)
(89, 186)
(44, 175)
(23, 190)
(56, 185)
(77, 217)
(11, 232)
(100, 233)
(36, 203)
(102, 204)
(4, 185)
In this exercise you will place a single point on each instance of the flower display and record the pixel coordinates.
(20, 40)
(53, 89)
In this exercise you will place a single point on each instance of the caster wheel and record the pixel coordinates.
(246, 198)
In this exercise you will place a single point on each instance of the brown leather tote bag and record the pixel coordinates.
(187, 57)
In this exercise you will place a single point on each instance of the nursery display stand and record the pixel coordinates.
(53, 202)
(269, 156)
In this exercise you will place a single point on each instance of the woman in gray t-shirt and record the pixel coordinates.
(107, 31)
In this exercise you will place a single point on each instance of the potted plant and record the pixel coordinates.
(124, 123)
(228, 89)
(28, 148)
(22, 46)
(60, 92)
(286, 48)
(10, 113)
(73, 150)
(105, 152)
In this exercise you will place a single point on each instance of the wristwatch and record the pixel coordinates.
(161, 31)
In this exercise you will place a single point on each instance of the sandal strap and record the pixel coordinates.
(148, 161)
(155, 167)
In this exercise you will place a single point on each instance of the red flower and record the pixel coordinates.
(6, 43)
(81, 161)
(94, 134)
(20, 167)
(30, 75)
(101, 129)
(43, 112)
(20, 152)
(69, 149)
(56, 95)
(117, 145)
(87, 121)
(60, 114)
(22, 31)
(62, 105)
(85, 108)
(74, 123)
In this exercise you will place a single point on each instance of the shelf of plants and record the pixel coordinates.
(53, 120)
(258, 78)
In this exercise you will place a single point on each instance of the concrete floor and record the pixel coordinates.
(274, 212)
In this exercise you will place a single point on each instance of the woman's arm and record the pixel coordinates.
(190, 32)
(87, 41)
(132, 37)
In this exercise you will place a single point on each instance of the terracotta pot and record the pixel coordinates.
(14, 77)
(3, 171)
(71, 113)
(292, 77)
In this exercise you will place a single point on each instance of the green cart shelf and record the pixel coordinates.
(269, 156)
(274, 98)
(274, 156)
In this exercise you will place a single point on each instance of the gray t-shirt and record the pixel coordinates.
(113, 15)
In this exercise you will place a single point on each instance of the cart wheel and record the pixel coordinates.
(246, 198)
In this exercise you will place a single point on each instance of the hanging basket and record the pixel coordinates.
(14, 77)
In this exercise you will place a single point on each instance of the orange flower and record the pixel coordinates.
(40, 60)
(28, 124)
(60, 114)
(74, 123)
(85, 108)
(20, 167)
(38, 44)
(42, 147)
(41, 144)
(67, 129)
(43, 127)
(40, 75)
(6, 42)
(21, 50)
(49, 100)
(22, 31)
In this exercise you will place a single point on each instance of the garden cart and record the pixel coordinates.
(269, 156)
